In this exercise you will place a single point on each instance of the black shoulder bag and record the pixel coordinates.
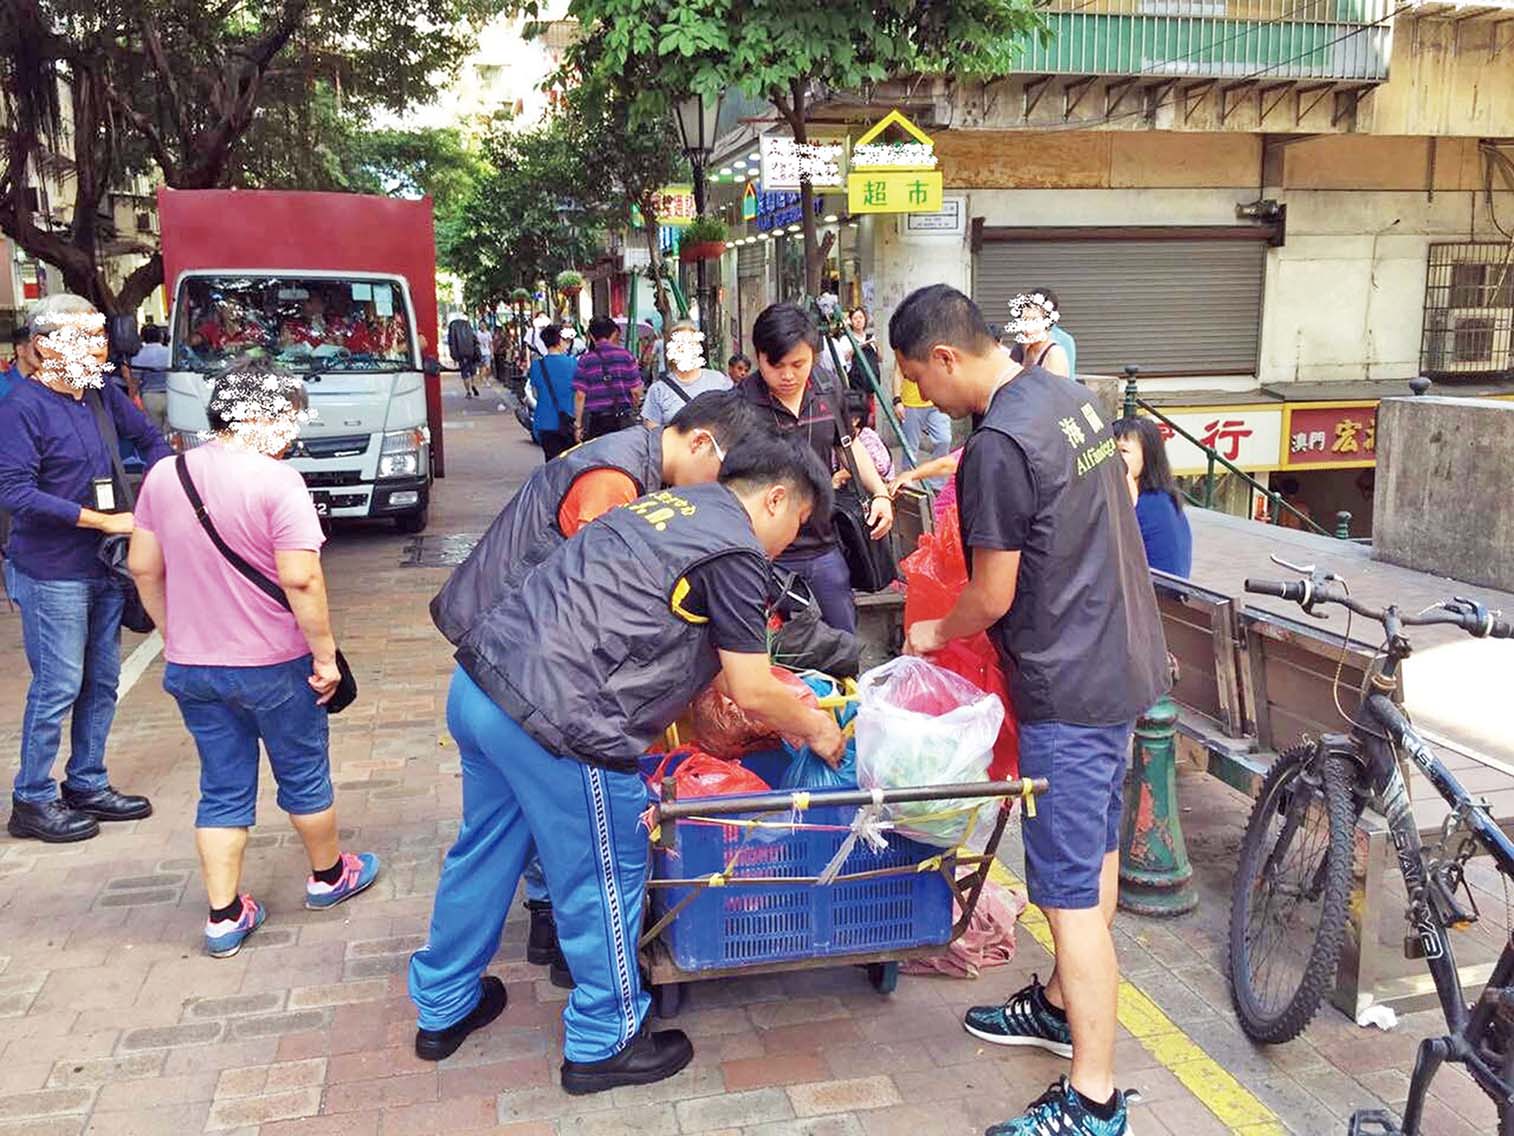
(114, 546)
(874, 565)
(346, 688)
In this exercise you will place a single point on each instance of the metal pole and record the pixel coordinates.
(1343, 525)
(1131, 394)
(1209, 484)
(782, 802)
(699, 266)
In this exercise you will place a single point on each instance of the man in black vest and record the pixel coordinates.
(561, 685)
(1058, 578)
(557, 500)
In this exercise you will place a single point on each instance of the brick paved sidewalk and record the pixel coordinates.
(112, 1022)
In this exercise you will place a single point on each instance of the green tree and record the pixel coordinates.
(784, 52)
(173, 88)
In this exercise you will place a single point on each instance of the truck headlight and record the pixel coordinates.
(400, 455)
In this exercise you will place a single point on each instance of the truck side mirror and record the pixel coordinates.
(431, 365)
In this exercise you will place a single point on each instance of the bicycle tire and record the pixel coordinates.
(1318, 974)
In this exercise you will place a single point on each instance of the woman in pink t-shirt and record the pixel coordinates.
(244, 668)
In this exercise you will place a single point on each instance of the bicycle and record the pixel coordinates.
(1296, 857)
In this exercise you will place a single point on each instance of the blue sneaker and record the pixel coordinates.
(225, 937)
(359, 870)
(1024, 1019)
(1060, 1112)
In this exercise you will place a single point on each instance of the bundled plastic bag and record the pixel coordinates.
(935, 574)
(920, 724)
(808, 770)
(723, 729)
(699, 774)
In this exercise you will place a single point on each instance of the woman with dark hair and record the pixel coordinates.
(786, 342)
(1158, 503)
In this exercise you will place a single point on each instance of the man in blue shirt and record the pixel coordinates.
(21, 363)
(56, 479)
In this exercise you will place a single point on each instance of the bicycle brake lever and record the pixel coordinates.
(1301, 569)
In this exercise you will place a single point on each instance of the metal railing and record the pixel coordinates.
(1278, 507)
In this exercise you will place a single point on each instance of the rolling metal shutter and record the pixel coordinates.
(1170, 306)
(751, 259)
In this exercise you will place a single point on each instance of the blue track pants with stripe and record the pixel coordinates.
(585, 823)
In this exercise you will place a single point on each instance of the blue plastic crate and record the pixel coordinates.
(743, 925)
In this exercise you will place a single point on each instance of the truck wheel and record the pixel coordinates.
(413, 522)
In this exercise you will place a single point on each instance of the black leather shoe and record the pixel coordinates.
(433, 1045)
(107, 804)
(53, 823)
(559, 975)
(541, 942)
(649, 1058)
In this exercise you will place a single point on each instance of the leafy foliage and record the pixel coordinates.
(245, 92)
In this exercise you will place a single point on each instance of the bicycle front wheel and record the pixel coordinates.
(1288, 912)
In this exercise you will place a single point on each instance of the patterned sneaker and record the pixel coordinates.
(359, 870)
(1022, 1020)
(1060, 1112)
(225, 937)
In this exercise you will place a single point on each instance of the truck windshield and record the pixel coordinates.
(307, 324)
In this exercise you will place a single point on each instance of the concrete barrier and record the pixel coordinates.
(1443, 502)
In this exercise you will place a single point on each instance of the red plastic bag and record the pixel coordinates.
(934, 576)
(698, 774)
(723, 729)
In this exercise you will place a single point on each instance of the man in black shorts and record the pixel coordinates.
(1058, 579)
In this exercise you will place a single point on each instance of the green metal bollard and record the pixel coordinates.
(1155, 876)
(1343, 525)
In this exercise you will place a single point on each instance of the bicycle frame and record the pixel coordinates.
(1469, 1026)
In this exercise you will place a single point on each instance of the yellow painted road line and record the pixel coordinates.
(1232, 1104)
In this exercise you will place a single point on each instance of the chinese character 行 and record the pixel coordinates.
(1075, 436)
(1230, 431)
(875, 193)
(1345, 436)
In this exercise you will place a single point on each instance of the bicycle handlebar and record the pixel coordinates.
(1472, 618)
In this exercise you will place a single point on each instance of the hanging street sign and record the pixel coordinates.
(674, 205)
(785, 163)
(894, 177)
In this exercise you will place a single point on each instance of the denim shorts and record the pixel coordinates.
(1077, 821)
(228, 710)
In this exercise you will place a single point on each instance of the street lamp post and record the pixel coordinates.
(697, 118)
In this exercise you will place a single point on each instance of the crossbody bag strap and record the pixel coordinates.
(256, 578)
(546, 382)
(107, 427)
(677, 388)
(844, 426)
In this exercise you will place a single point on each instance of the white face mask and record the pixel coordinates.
(1031, 316)
(686, 350)
(73, 353)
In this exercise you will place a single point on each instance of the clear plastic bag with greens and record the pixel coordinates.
(920, 724)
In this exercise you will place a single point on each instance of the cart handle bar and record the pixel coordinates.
(776, 802)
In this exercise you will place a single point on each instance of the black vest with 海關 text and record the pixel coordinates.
(593, 652)
(1083, 635)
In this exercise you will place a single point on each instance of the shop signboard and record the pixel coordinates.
(675, 205)
(951, 221)
(1330, 435)
(894, 177)
(749, 202)
(776, 210)
(1250, 437)
(785, 163)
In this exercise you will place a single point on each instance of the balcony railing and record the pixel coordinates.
(1334, 40)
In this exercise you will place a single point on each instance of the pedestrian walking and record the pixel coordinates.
(462, 345)
(1158, 502)
(737, 367)
(686, 377)
(921, 422)
(1032, 317)
(22, 363)
(244, 667)
(607, 384)
(551, 378)
(1059, 332)
(58, 481)
(554, 504)
(560, 687)
(787, 342)
(485, 339)
(1058, 579)
(149, 366)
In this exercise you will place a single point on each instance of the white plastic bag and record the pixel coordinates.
(920, 724)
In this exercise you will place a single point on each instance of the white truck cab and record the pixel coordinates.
(366, 451)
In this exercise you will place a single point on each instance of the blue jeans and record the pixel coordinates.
(228, 710)
(72, 632)
(831, 582)
(929, 423)
(586, 825)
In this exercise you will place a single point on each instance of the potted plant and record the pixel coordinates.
(704, 239)
(569, 282)
(520, 296)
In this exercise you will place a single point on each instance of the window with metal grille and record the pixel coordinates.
(1469, 310)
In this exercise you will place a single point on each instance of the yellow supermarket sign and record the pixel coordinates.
(894, 191)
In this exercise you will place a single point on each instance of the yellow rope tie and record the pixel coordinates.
(801, 801)
(656, 833)
(717, 880)
(1028, 798)
(930, 865)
